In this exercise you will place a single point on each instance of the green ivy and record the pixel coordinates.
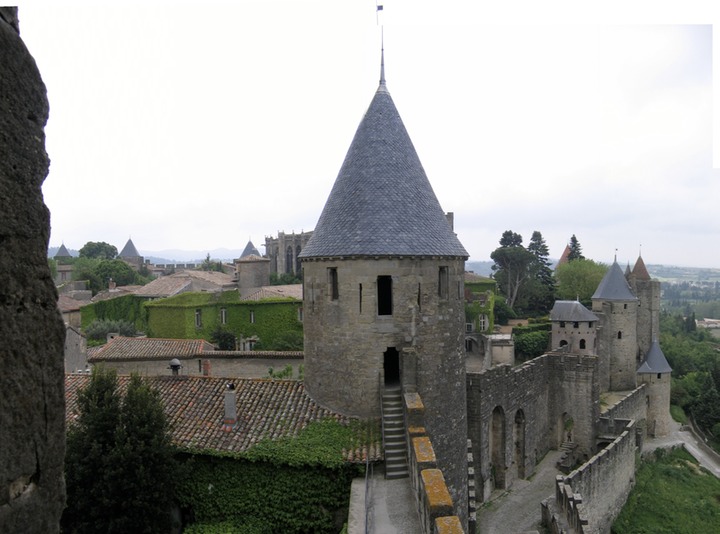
(273, 321)
(126, 308)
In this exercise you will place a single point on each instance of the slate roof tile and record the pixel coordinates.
(382, 203)
(571, 310)
(614, 286)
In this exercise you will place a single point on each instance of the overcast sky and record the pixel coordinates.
(202, 125)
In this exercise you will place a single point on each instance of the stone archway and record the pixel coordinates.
(497, 447)
(519, 441)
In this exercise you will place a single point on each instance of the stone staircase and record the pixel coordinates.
(568, 458)
(396, 465)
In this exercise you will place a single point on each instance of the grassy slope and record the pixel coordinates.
(672, 496)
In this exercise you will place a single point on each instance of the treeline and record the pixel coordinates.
(529, 286)
(694, 355)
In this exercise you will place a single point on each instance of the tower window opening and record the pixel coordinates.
(459, 289)
(419, 298)
(360, 298)
(619, 335)
(333, 283)
(562, 324)
(576, 324)
(443, 282)
(582, 343)
(384, 295)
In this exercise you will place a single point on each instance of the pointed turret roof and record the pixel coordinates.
(655, 361)
(250, 250)
(129, 250)
(571, 310)
(62, 252)
(614, 286)
(382, 203)
(640, 271)
(564, 256)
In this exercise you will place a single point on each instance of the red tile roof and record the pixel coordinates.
(146, 348)
(266, 409)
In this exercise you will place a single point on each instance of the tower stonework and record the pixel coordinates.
(32, 417)
(648, 314)
(616, 307)
(655, 373)
(384, 293)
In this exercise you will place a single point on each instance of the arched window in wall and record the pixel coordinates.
(582, 343)
(298, 269)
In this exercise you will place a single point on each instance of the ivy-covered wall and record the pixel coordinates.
(269, 320)
(126, 308)
(480, 300)
(284, 498)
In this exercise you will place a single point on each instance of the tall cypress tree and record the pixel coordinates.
(575, 249)
(542, 296)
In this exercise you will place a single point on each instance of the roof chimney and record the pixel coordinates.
(175, 366)
(230, 419)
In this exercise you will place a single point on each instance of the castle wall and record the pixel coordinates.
(590, 498)
(32, 418)
(574, 337)
(574, 407)
(519, 398)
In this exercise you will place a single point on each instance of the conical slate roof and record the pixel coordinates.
(382, 203)
(129, 250)
(655, 361)
(571, 310)
(62, 252)
(250, 250)
(614, 286)
(640, 271)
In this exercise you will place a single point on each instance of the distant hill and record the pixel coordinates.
(483, 268)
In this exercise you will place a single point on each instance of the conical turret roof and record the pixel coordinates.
(250, 250)
(614, 286)
(655, 361)
(129, 250)
(640, 271)
(62, 252)
(382, 203)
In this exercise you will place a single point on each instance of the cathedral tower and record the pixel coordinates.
(383, 291)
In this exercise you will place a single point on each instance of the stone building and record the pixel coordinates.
(284, 251)
(383, 292)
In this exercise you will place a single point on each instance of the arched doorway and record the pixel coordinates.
(519, 440)
(497, 446)
(391, 366)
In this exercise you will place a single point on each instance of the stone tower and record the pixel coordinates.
(574, 327)
(383, 291)
(655, 373)
(616, 307)
(648, 314)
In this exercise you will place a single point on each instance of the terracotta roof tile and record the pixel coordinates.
(267, 409)
(145, 348)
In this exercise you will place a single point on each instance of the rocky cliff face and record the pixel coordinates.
(32, 433)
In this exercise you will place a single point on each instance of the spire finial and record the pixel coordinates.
(382, 56)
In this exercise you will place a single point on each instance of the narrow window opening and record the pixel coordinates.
(419, 298)
(443, 282)
(659, 376)
(223, 315)
(582, 343)
(198, 318)
(384, 290)
(576, 324)
(300, 314)
(619, 335)
(333, 283)
(359, 298)
(252, 317)
(562, 324)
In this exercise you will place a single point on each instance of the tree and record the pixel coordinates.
(98, 250)
(117, 270)
(119, 464)
(85, 268)
(223, 338)
(210, 265)
(579, 279)
(89, 444)
(99, 329)
(512, 265)
(541, 292)
(142, 478)
(575, 250)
